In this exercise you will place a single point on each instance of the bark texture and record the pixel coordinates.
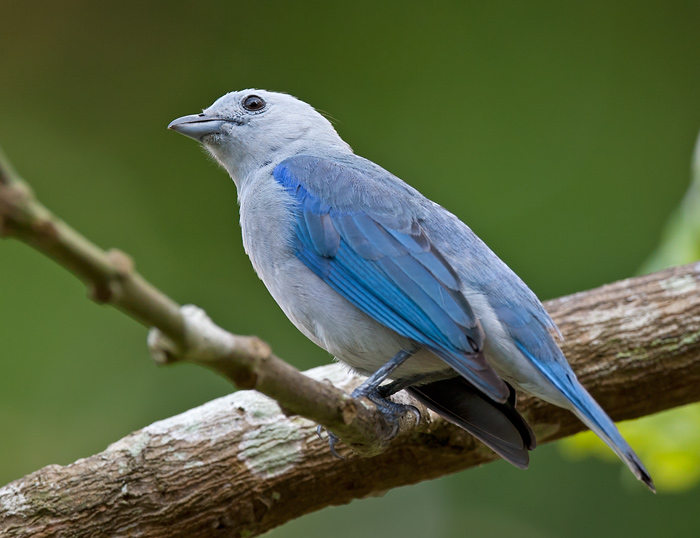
(238, 466)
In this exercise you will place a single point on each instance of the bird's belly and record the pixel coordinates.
(336, 325)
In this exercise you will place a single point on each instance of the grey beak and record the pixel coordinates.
(196, 126)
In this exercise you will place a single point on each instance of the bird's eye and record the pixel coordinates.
(253, 103)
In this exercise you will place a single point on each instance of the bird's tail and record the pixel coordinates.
(498, 425)
(593, 416)
(560, 374)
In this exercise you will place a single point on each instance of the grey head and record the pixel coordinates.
(250, 129)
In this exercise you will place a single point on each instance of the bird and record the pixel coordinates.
(389, 282)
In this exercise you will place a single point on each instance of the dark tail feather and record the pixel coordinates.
(498, 425)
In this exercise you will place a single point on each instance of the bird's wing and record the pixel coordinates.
(532, 330)
(517, 308)
(353, 233)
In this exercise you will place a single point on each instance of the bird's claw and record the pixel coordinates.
(333, 440)
(391, 411)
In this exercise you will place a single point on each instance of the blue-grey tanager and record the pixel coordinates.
(389, 282)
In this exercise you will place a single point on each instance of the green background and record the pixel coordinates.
(560, 132)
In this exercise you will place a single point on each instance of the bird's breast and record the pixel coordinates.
(267, 225)
(318, 311)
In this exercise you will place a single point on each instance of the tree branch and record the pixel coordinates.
(239, 466)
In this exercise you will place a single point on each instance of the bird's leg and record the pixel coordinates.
(377, 378)
(371, 390)
(395, 386)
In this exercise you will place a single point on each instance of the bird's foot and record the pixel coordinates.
(391, 411)
(333, 440)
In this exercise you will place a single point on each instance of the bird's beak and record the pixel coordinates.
(196, 126)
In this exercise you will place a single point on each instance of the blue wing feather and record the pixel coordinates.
(384, 264)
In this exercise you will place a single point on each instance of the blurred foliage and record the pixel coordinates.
(680, 242)
(559, 131)
(668, 443)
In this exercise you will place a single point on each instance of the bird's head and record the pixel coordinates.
(249, 129)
